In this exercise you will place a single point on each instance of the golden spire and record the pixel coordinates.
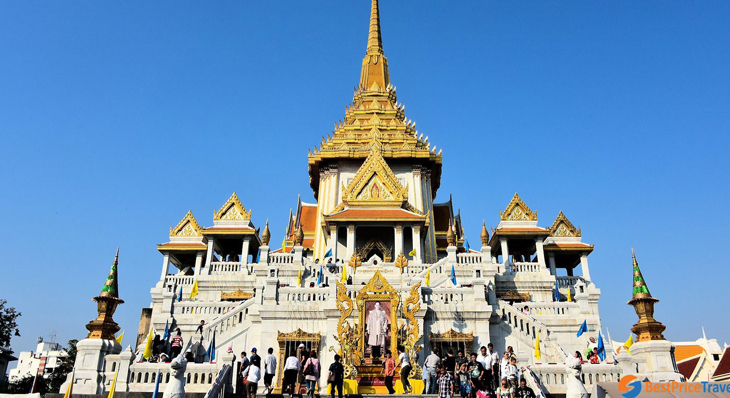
(647, 328)
(374, 76)
(266, 235)
(375, 42)
(485, 234)
(299, 236)
(450, 236)
(104, 327)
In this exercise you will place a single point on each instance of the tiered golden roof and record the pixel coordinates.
(517, 210)
(188, 226)
(374, 120)
(562, 227)
(232, 210)
(647, 328)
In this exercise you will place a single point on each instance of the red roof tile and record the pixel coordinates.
(375, 213)
(687, 368)
(723, 367)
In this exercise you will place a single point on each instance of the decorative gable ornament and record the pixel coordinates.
(562, 227)
(375, 184)
(232, 210)
(188, 226)
(517, 210)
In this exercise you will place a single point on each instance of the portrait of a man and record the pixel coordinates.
(377, 328)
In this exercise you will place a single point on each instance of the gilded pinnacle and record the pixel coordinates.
(266, 235)
(485, 234)
(375, 41)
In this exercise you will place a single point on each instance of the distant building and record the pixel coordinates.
(698, 360)
(43, 361)
(6, 356)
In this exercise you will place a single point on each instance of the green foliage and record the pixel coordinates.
(8, 324)
(25, 384)
(60, 373)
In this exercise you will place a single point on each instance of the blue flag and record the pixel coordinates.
(557, 292)
(583, 329)
(179, 296)
(466, 245)
(166, 335)
(328, 254)
(601, 347)
(319, 278)
(258, 256)
(453, 275)
(211, 349)
(156, 394)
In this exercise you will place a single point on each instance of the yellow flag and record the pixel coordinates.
(114, 385)
(70, 388)
(412, 253)
(119, 339)
(194, 291)
(428, 276)
(629, 343)
(283, 245)
(299, 278)
(537, 346)
(569, 297)
(147, 353)
(343, 280)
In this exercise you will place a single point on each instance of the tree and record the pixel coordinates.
(25, 384)
(60, 373)
(8, 324)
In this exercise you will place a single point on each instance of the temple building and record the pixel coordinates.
(374, 245)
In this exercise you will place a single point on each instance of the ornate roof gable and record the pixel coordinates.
(232, 210)
(517, 210)
(188, 226)
(562, 227)
(375, 184)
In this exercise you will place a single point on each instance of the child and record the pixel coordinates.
(464, 387)
(512, 372)
(445, 383)
(486, 393)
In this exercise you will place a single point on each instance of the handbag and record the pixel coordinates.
(331, 378)
(308, 368)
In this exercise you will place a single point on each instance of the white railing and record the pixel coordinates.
(281, 258)
(225, 267)
(177, 280)
(568, 281)
(468, 258)
(198, 376)
(304, 294)
(445, 295)
(203, 308)
(525, 327)
(554, 377)
(233, 317)
(553, 309)
(524, 267)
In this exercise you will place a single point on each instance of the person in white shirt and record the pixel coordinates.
(405, 369)
(495, 366)
(252, 375)
(269, 370)
(486, 360)
(291, 370)
(431, 364)
(503, 364)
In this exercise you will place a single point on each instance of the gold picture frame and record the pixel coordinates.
(378, 290)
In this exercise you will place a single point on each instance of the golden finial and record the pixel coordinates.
(374, 74)
(266, 235)
(355, 261)
(647, 328)
(485, 234)
(375, 41)
(104, 327)
(299, 236)
(450, 236)
(401, 262)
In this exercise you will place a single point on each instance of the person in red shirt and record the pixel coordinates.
(389, 371)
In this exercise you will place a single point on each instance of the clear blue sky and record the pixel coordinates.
(116, 119)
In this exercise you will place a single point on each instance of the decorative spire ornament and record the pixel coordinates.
(299, 236)
(450, 236)
(104, 327)
(647, 328)
(266, 235)
(485, 234)
(374, 76)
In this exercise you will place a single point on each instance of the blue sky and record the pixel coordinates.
(116, 119)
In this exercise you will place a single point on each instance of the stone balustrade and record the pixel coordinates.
(554, 376)
(225, 267)
(281, 258)
(518, 267)
(199, 376)
(233, 317)
(469, 258)
(171, 281)
(203, 308)
(304, 294)
(553, 309)
(568, 281)
(446, 295)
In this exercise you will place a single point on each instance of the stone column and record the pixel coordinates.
(198, 262)
(398, 241)
(540, 253)
(417, 242)
(350, 240)
(209, 254)
(505, 251)
(333, 240)
(244, 250)
(165, 267)
(551, 259)
(584, 266)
